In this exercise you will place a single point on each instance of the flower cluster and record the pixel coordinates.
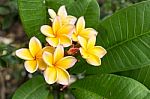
(52, 59)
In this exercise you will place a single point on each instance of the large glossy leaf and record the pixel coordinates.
(35, 88)
(112, 87)
(126, 37)
(2, 63)
(141, 75)
(33, 15)
(85, 94)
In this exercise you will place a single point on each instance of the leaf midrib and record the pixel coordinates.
(34, 90)
(128, 40)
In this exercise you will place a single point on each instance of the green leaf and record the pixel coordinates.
(34, 88)
(11, 60)
(4, 10)
(112, 87)
(2, 63)
(126, 37)
(141, 75)
(8, 48)
(7, 22)
(85, 94)
(33, 16)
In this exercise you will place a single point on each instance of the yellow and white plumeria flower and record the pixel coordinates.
(82, 31)
(58, 33)
(66, 19)
(33, 55)
(90, 52)
(57, 65)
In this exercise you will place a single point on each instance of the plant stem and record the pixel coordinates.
(2, 83)
(56, 94)
(56, 91)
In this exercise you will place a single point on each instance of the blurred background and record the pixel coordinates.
(12, 37)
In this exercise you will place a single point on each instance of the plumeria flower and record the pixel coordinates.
(90, 52)
(66, 19)
(82, 31)
(57, 65)
(33, 55)
(58, 34)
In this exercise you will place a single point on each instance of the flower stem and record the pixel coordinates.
(56, 94)
(56, 91)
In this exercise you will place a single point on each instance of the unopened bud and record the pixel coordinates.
(72, 51)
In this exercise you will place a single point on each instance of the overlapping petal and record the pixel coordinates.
(70, 20)
(50, 75)
(65, 41)
(34, 46)
(24, 53)
(84, 53)
(59, 53)
(98, 51)
(83, 42)
(93, 60)
(74, 37)
(48, 58)
(38, 55)
(80, 24)
(31, 66)
(49, 49)
(66, 62)
(47, 31)
(66, 29)
(53, 41)
(91, 42)
(88, 32)
(63, 76)
(57, 24)
(41, 64)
